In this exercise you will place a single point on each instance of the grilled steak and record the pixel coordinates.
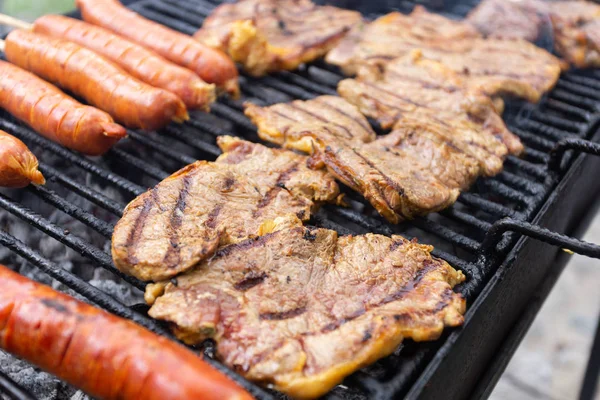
(398, 182)
(289, 124)
(574, 24)
(494, 66)
(503, 19)
(303, 308)
(271, 35)
(186, 217)
(414, 88)
(415, 170)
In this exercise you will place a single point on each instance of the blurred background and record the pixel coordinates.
(551, 360)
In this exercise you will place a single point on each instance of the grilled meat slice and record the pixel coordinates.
(396, 34)
(185, 218)
(291, 124)
(521, 19)
(413, 88)
(271, 35)
(398, 181)
(576, 28)
(494, 66)
(431, 150)
(574, 24)
(302, 308)
(412, 171)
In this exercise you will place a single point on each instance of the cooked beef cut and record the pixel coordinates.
(185, 218)
(410, 172)
(398, 182)
(574, 24)
(271, 35)
(302, 308)
(493, 66)
(417, 169)
(396, 34)
(520, 19)
(277, 167)
(431, 150)
(577, 32)
(414, 90)
(289, 124)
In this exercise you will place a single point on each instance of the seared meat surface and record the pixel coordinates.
(290, 124)
(575, 25)
(302, 308)
(271, 35)
(397, 181)
(185, 218)
(418, 168)
(416, 89)
(493, 66)
(521, 19)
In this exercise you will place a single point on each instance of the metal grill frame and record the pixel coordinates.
(425, 371)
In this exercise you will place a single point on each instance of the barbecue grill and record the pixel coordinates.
(502, 233)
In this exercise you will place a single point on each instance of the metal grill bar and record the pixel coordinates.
(89, 194)
(63, 236)
(12, 390)
(50, 197)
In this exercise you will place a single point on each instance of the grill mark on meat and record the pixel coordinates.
(429, 266)
(407, 317)
(342, 112)
(348, 133)
(173, 254)
(279, 185)
(423, 83)
(245, 245)
(251, 280)
(282, 315)
(324, 39)
(396, 95)
(282, 115)
(387, 178)
(138, 227)
(211, 220)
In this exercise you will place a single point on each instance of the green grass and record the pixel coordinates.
(31, 9)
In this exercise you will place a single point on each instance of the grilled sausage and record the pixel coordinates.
(136, 60)
(210, 64)
(94, 78)
(55, 115)
(18, 165)
(106, 356)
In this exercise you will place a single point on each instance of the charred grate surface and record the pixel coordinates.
(92, 192)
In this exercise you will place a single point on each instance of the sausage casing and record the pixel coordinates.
(91, 76)
(106, 356)
(18, 165)
(133, 58)
(212, 65)
(55, 115)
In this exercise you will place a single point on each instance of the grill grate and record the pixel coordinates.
(572, 110)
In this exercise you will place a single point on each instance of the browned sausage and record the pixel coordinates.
(136, 60)
(55, 115)
(18, 165)
(106, 356)
(97, 80)
(210, 64)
